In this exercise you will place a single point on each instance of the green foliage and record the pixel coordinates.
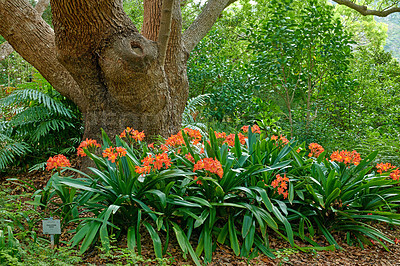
(299, 60)
(14, 70)
(37, 122)
(19, 243)
(191, 113)
(232, 190)
(346, 197)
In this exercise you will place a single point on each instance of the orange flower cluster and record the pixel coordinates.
(156, 162)
(346, 157)
(189, 157)
(282, 138)
(315, 149)
(211, 165)
(230, 139)
(194, 134)
(254, 129)
(86, 144)
(219, 135)
(134, 134)
(395, 174)
(112, 153)
(384, 167)
(280, 183)
(58, 161)
(177, 139)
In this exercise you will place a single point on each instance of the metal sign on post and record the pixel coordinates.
(51, 227)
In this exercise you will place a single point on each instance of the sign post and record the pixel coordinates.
(51, 227)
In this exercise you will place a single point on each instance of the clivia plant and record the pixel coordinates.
(232, 189)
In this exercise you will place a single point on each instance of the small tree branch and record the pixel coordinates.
(363, 10)
(5, 48)
(41, 6)
(203, 23)
(165, 28)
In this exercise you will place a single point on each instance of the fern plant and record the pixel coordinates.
(191, 112)
(43, 123)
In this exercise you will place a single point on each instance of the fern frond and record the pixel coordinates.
(192, 106)
(46, 126)
(39, 166)
(25, 96)
(389, 150)
(10, 150)
(194, 103)
(31, 115)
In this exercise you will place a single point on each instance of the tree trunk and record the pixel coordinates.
(119, 71)
(97, 58)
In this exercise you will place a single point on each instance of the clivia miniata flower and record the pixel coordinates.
(211, 165)
(133, 134)
(255, 129)
(87, 144)
(346, 157)
(57, 162)
(155, 162)
(384, 167)
(281, 138)
(395, 174)
(112, 153)
(198, 181)
(280, 183)
(315, 149)
(230, 139)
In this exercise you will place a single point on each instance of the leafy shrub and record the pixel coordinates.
(38, 122)
(231, 189)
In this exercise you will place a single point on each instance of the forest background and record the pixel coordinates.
(250, 68)
(310, 70)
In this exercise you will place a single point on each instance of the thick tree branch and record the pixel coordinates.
(165, 28)
(33, 39)
(5, 48)
(363, 10)
(203, 23)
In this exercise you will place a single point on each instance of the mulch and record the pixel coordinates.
(224, 255)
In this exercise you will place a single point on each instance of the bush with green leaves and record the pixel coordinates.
(37, 122)
(231, 189)
(345, 195)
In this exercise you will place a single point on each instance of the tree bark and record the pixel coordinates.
(6, 48)
(121, 72)
(33, 39)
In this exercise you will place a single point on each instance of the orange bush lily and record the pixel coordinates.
(112, 153)
(280, 183)
(57, 162)
(156, 162)
(211, 165)
(315, 149)
(346, 157)
(86, 144)
(384, 167)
